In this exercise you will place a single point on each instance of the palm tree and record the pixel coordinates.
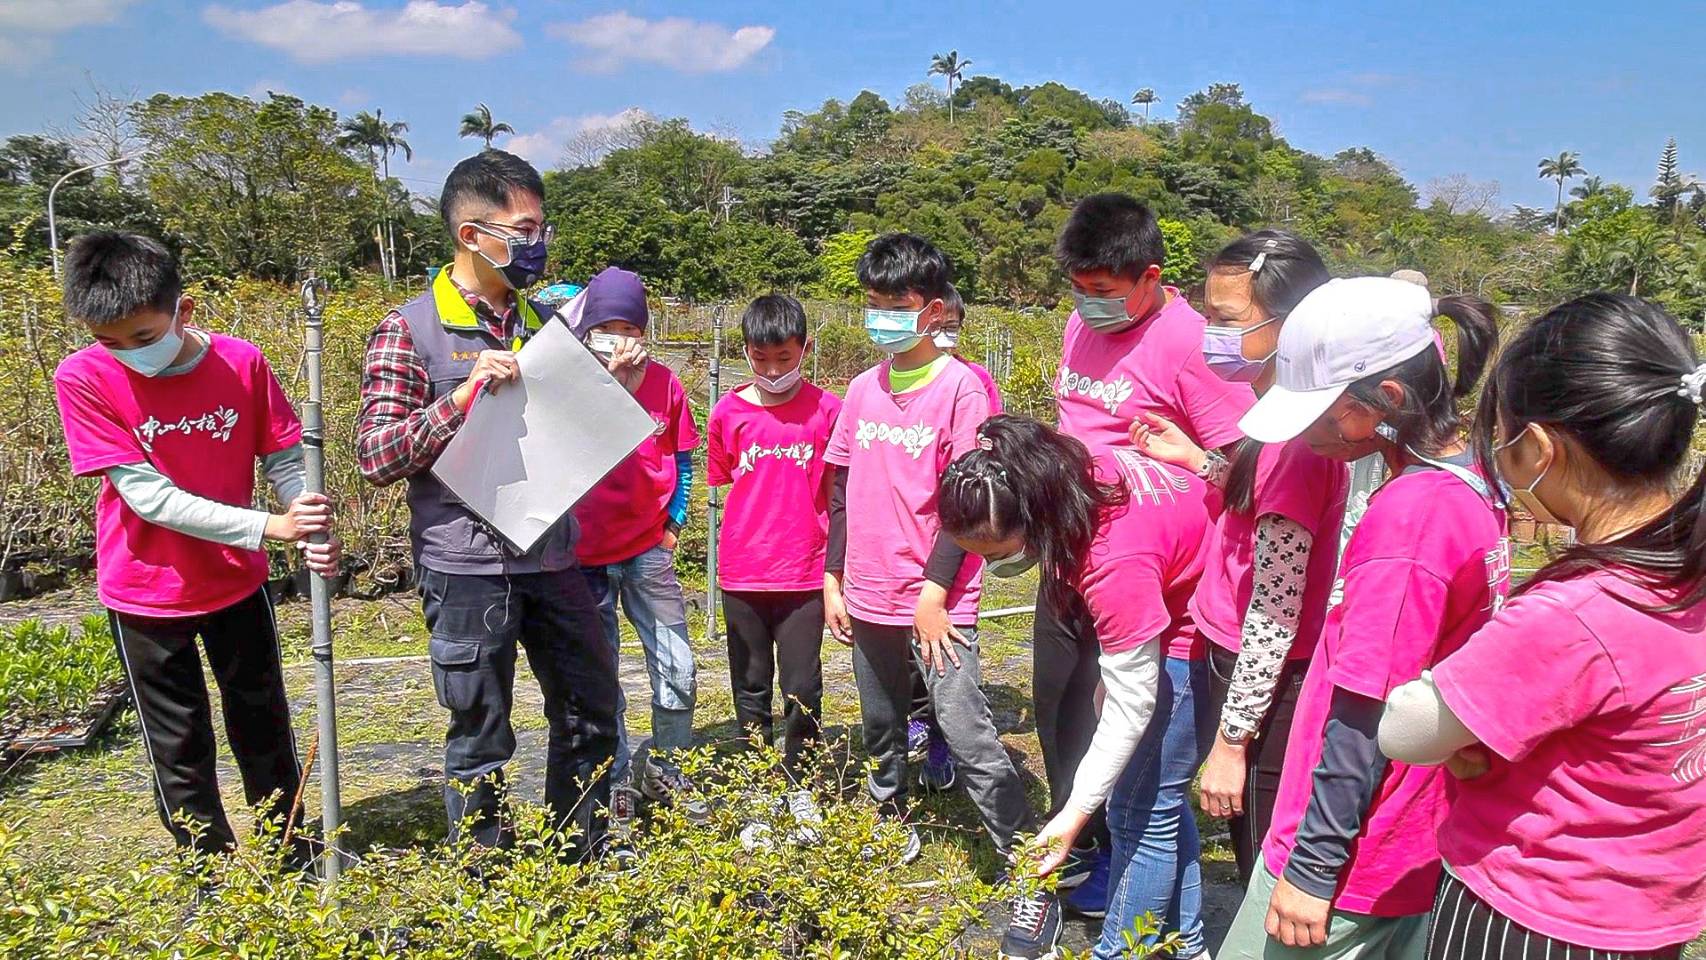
(950, 67)
(479, 124)
(1590, 188)
(1637, 251)
(380, 139)
(1144, 98)
(1565, 166)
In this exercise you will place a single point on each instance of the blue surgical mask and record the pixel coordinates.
(526, 263)
(154, 358)
(1103, 314)
(893, 331)
(1223, 350)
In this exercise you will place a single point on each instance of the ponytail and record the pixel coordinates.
(1477, 326)
(1618, 376)
(1027, 480)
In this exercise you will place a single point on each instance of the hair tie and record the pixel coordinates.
(1262, 258)
(986, 444)
(1693, 387)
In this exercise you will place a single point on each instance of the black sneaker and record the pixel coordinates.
(1034, 929)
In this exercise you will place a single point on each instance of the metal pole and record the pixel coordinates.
(711, 493)
(52, 224)
(325, 702)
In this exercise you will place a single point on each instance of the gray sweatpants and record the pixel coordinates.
(882, 667)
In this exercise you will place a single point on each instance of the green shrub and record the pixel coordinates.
(54, 673)
(696, 891)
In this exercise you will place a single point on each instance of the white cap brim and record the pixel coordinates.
(1281, 414)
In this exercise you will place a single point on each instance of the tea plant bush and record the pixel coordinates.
(54, 673)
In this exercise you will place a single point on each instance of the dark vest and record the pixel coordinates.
(447, 536)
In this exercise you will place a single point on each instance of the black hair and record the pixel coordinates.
(1427, 419)
(1029, 480)
(1110, 231)
(1605, 370)
(772, 320)
(1290, 269)
(897, 264)
(111, 274)
(487, 178)
(954, 309)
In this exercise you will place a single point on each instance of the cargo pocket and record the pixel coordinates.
(456, 673)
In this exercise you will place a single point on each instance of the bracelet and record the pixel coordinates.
(1214, 468)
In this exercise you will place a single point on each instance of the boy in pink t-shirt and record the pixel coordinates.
(896, 588)
(628, 525)
(172, 419)
(766, 443)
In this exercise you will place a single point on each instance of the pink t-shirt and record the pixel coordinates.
(1157, 367)
(1591, 825)
(776, 519)
(1424, 569)
(988, 382)
(1144, 562)
(204, 431)
(895, 449)
(624, 515)
(1294, 482)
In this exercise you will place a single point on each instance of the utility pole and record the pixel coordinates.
(52, 224)
(728, 203)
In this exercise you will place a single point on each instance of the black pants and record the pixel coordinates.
(164, 669)
(1464, 926)
(1064, 676)
(780, 635)
(476, 622)
(1265, 756)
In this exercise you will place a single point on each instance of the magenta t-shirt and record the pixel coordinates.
(1156, 367)
(624, 515)
(1144, 562)
(982, 373)
(1424, 569)
(1591, 825)
(895, 449)
(1294, 482)
(204, 431)
(776, 520)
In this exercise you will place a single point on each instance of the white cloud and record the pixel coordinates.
(545, 146)
(319, 32)
(27, 27)
(612, 40)
(1337, 95)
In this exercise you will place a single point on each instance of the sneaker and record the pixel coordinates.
(802, 807)
(618, 850)
(914, 847)
(1090, 897)
(937, 773)
(1034, 929)
(1079, 864)
(917, 740)
(665, 783)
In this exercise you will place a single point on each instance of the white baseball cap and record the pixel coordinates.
(1343, 331)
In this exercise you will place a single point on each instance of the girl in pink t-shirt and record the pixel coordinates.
(1576, 718)
(1349, 863)
(1121, 534)
(1273, 552)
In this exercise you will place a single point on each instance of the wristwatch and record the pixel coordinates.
(1238, 738)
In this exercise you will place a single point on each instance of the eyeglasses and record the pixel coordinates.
(528, 235)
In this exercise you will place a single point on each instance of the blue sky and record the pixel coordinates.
(1442, 88)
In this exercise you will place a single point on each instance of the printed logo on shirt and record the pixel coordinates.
(1109, 393)
(1147, 480)
(914, 439)
(662, 424)
(217, 424)
(800, 454)
(1691, 717)
(1498, 563)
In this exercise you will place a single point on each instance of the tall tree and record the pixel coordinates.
(1673, 185)
(950, 67)
(371, 132)
(1565, 166)
(1144, 98)
(480, 124)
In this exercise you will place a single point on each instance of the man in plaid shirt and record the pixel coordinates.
(426, 362)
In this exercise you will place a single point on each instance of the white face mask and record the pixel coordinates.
(1525, 496)
(151, 360)
(1012, 566)
(781, 384)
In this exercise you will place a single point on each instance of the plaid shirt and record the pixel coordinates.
(402, 430)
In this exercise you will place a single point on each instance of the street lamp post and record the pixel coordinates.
(52, 224)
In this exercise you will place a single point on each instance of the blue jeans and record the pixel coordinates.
(652, 599)
(1155, 865)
